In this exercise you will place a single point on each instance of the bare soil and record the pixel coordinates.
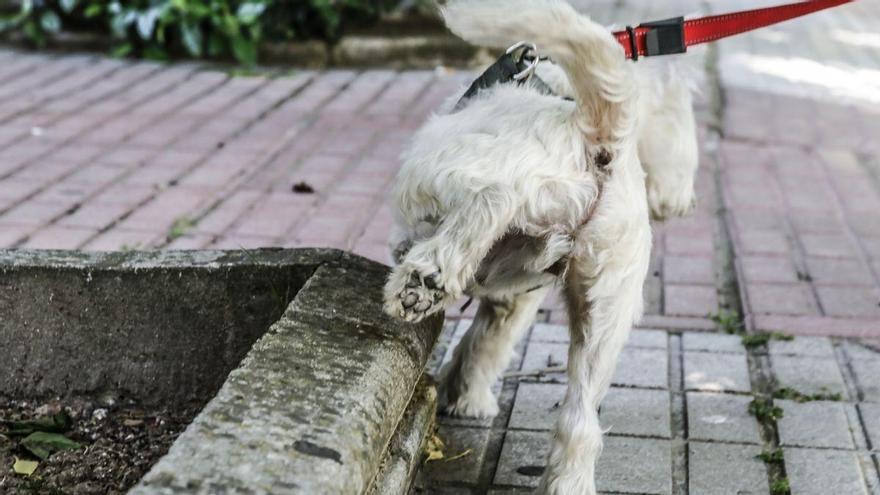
(120, 442)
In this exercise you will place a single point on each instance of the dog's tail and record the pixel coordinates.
(592, 58)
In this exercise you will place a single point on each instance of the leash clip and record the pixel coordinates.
(529, 54)
(665, 37)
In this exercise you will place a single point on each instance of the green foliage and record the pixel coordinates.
(181, 226)
(728, 321)
(764, 410)
(774, 456)
(780, 487)
(159, 29)
(761, 338)
(792, 394)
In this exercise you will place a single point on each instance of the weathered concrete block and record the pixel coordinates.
(314, 404)
(808, 375)
(160, 327)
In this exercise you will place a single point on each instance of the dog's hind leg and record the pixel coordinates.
(601, 312)
(436, 270)
(485, 351)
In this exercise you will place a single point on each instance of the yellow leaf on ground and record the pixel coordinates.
(434, 448)
(25, 467)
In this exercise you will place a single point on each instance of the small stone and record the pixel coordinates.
(99, 414)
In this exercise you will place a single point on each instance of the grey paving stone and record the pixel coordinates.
(523, 456)
(712, 342)
(546, 332)
(542, 355)
(633, 411)
(625, 411)
(823, 472)
(814, 424)
(635, 465)
(723, 469)
(637, 367)
(648, 368)
(457, 440)
(808, 375)
(536, 406)
(715, 372)
(721, 417)
(627, 465)
(803, 346)
(858, 351)
(866, 372)
(870, 414)
(653, 339)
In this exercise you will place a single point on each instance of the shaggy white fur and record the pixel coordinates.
(520, 190)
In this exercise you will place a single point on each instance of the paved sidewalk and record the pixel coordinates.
(678, 418)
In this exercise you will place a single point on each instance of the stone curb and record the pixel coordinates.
(315, 404)
(159, 327)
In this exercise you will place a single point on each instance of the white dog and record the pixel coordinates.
(520, 189)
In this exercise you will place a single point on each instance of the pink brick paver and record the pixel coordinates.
(106, 154)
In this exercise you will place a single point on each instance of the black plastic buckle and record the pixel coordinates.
(665, 37)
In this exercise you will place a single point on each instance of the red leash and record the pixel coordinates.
(675, 35)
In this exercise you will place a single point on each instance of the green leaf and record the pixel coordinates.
(122, 50)
(245, 50)
(93, 10)
(192, 38)
(146, 21)
(154, 52)
(25, 467)
(50, 21)
(59, 423)
(68, 5)
(43, 444)
(249, 12)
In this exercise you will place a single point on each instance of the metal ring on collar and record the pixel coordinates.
(529, 50)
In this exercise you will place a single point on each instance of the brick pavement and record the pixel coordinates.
(678, 418)
(107, 154)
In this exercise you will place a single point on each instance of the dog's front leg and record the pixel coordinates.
(436, 271)
(602, 310)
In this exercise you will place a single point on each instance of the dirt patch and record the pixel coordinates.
(120, 442)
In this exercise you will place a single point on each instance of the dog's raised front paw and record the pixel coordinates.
(411, 293)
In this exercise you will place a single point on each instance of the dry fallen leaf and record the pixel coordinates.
(434, 448)
(459, 456)
(133, 422)
(25, 467)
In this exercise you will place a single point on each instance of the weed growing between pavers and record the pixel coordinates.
(728, 321)
(792, 394)
(181, 226)
(771, 456)
(765, 410)
(762, 338)
(780, 487)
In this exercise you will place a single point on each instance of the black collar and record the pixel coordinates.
(502, 72)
